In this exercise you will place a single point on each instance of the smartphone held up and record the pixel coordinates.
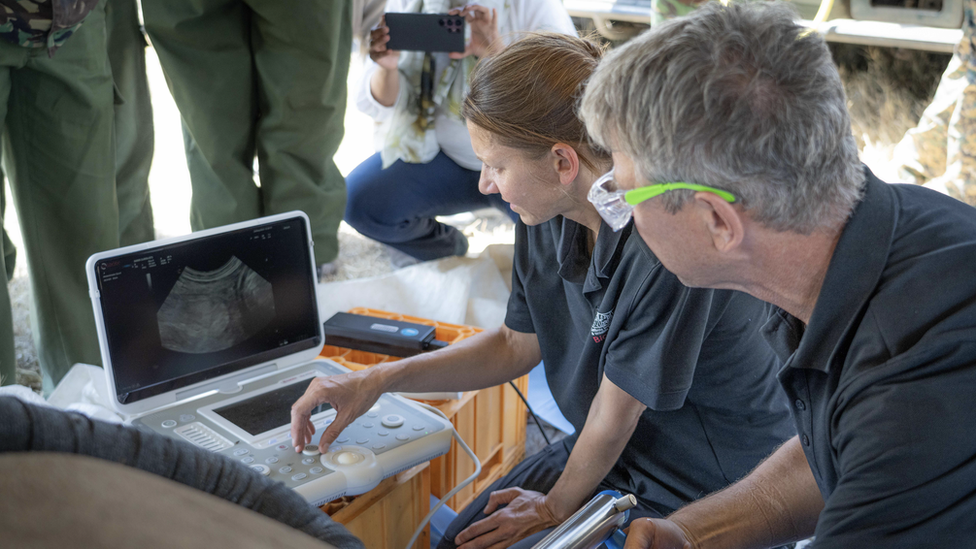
(429, 32)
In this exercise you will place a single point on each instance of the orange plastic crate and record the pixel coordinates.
(386, 516)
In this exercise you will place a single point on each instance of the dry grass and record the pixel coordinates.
(28, 372)
(887, 90)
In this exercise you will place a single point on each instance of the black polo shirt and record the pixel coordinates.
(883, 380)
(695, 357)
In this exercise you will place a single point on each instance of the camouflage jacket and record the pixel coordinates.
(42, 23)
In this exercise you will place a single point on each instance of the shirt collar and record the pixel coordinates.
(575, 262)
(855, 269)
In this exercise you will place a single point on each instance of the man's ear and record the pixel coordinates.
(565, 161)
(722, 220)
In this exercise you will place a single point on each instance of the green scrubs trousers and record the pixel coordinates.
(133, 121)
(59, 157)
(264, 79)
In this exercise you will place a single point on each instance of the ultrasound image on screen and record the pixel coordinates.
(269, 410)
(183, 313)
(214, 310)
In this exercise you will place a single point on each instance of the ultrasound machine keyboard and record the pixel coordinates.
(252, 427)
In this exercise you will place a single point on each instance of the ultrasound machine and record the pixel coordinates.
(211, 337)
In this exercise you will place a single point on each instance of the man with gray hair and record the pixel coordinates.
(733, 152)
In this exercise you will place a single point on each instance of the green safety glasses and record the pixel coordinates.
(616, 207)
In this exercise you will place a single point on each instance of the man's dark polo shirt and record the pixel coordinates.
(883, 380)
(694, 357)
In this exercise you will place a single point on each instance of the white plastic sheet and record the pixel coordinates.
(456, 290)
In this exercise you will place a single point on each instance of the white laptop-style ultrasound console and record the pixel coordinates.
(211, 337)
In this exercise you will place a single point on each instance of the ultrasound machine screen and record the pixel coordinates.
(269, 410)
(190, 311)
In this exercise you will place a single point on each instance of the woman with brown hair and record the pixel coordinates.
(659, 380)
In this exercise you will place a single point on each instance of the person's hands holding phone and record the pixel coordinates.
(378, 52)
(485, 38)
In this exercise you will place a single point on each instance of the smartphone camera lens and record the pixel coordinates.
(443, 22)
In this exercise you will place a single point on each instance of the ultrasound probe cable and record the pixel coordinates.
(529, 408)
(449, 495)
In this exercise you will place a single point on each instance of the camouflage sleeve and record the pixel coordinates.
(42, 23)
(941, 151)
(960, 176)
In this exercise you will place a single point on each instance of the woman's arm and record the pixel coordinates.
(384, 84)
(483, 360)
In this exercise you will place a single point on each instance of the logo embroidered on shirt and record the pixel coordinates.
(601, 325)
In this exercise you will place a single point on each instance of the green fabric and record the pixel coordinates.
(263, 78)
(60, 161)
(133, 121)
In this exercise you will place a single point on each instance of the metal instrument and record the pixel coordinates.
(595, 523)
